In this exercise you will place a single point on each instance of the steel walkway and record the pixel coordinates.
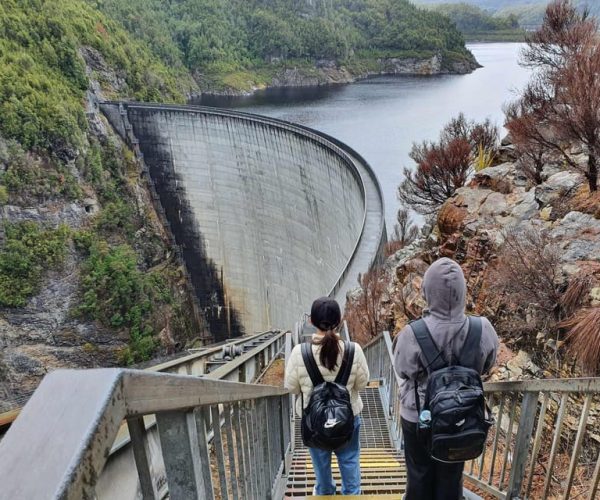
(382, 466)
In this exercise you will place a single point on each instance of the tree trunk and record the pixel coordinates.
(592, 173)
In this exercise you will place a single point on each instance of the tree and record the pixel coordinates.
(363, 314)
(445, 166)
(405, 231)
(559, 107)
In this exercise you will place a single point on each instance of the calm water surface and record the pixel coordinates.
(381, 117)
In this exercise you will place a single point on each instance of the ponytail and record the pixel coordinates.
(330, 349)
(326, 316)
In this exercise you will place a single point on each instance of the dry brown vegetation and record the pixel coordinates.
(404, 233)
(364, 315)
(583, 339)
(444, 166)
(526, 295)
(558, 108)
(534, 306)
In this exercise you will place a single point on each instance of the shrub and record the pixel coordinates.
(29, 250)
(363, 314)
(525, 288)
(405, 231)
(116, 216)
(583, 339)
(118, 295)
(445, 166)
(29, 178)
(558, 108)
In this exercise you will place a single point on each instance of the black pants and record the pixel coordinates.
(428, 479)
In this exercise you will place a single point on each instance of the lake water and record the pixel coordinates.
(381, 117)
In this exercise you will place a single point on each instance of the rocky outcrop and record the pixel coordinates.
(472, 228)
(47, 333)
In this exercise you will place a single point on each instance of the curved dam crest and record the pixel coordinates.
(267, 215)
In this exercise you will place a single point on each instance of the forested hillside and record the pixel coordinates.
(528, 12)
(85, 273)
(533, 13)
(219, 40)
(478, 24)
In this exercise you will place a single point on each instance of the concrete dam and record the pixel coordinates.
(267, 215)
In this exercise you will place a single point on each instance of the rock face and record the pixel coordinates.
(44, 335)
(472, 227)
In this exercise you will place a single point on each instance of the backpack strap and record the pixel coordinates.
(435, 359)
(347, 361)
(472, 346)
(311, 365)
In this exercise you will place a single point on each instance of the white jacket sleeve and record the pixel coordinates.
(362, 369)
(292, 379)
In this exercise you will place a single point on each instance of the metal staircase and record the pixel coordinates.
(218, 439)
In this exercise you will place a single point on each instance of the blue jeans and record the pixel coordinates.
(349, 462)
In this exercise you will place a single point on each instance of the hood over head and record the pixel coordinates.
(445, 289)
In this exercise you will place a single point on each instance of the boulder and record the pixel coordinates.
(451, 217)
(494, 205)
(579, 236)
(506, 140)
(526, 208)
(522, 366)
(502, 178)
(557, 186)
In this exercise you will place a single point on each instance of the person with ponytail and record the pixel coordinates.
(328, 351)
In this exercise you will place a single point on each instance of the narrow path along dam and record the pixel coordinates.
(268, 215)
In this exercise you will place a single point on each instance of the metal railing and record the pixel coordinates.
(65, 432)
(545, 442)
(379, 354)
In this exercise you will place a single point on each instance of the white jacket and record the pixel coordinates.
(297, 379)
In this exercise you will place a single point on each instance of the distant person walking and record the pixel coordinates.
(444, 290)
(330, 355)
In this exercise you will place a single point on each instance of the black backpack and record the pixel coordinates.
(459, 425)
(328, 419)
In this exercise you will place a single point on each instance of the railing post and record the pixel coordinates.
(522, 441)
(233, 476)
(137, 433)
(202, 419)
(179, 444)
(218, 447)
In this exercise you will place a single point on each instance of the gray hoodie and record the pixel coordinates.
(444, 289)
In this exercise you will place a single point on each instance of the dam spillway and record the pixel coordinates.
(268, 215)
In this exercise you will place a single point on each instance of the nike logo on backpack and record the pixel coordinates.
(331, 422)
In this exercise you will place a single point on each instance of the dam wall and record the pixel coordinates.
(267, 215)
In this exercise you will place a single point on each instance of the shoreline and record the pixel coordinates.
(324, 73)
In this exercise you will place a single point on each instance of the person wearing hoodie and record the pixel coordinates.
(444, 290)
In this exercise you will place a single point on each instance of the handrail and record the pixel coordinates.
(65, 431)
(8, 417)
(209, 350)
(380, 361)
(536, 420)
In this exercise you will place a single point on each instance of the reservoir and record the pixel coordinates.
(381, 117)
